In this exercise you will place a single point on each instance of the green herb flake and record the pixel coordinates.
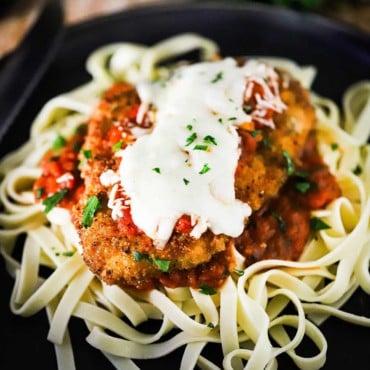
(137, 256)
(289, 162)
(303, 174)
(210, 140)
(117, 146)
(266, 141)
(190, 139)
(163, 265)
(211, 325)
(255, 133)
(92, 205)
(186, 181)
(205, 289)
(334, 146)
(238, 272)
(189, 127)
(357, 170)
(218, 77)
(53, 200)
(59, 142)
(68, 253)
(220, 120)
(157, 170)
(316, 224)
(232, 119)
(247, 108)
(204, 169)
(201, 147)
(39, 193)
(280, 220)
(87, 153)
(303, 186)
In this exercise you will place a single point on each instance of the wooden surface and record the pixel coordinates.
(19, 18)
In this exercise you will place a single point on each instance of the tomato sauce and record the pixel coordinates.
(60, 170)
(282, 229)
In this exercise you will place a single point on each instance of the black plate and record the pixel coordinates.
(342, 55)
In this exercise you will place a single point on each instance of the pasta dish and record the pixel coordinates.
(218, 197)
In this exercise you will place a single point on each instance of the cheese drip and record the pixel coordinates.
(186, 165)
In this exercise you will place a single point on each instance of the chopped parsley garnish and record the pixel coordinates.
(220, 120)
(190, 139)
(218, 77)
(211, 325)
(65, 254)
(92, 205)
(39, 192)
(289, 162)
(204, 169)
(163, 265)
(210, 140)
(205, 289)
(138, 256)
(334, 146)
(247, 108)
(357, 170)
(238, 272)
(317, 224)
(280, 220)
(156, 169)
(302, 173)
(266, 141)
(53, 200)
(201, 147)
(68, 253)
(186, 181)
(189, 127)
(117, 146)
(303, 186)
(232, 118)
(87, 153)
(255, 133)
(59, 142)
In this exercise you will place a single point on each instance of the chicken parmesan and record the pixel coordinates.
(202, 196)
(171, 177)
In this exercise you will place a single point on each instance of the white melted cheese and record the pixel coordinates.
(165, 176)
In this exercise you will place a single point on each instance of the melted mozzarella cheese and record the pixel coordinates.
(186, 164)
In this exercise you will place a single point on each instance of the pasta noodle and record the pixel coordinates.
(247, 316)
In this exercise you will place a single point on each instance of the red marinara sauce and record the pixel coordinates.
(282, 229)
(60, 171)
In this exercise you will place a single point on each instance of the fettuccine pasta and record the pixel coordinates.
(246, 317)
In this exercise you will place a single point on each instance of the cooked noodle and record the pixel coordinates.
(248, 311)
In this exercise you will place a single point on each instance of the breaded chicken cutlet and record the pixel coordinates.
(119, 253)
(277, 148)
